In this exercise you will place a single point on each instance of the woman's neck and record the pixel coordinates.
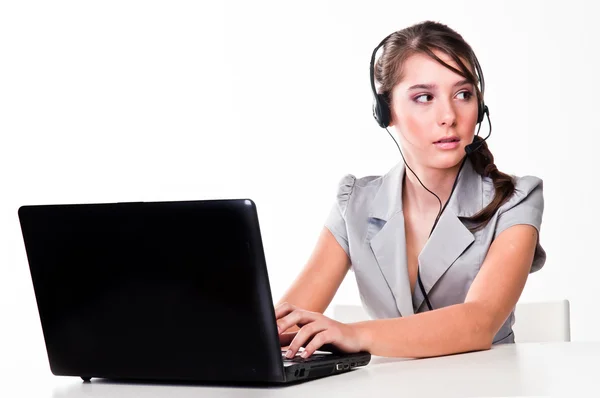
(439, 181)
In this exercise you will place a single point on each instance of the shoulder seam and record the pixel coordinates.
(366, 180)
(349, 193)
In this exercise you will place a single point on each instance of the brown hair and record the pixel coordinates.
(423, 38)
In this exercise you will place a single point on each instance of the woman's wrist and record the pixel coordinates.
(363, 332)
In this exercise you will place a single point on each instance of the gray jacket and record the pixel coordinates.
(367, 221)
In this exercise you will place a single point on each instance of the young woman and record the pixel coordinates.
(435, 279)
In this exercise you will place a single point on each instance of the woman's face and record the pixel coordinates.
(430, 104)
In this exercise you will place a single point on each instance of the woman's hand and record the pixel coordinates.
(316, 330)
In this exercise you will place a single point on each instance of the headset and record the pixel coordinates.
(381, 113)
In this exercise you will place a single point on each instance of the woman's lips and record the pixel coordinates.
(447, 143)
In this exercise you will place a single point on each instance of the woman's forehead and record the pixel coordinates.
(420, 68)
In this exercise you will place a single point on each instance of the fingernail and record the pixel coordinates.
(288, 354)
(304, 354)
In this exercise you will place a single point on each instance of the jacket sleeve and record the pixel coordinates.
(336, 220)
(526, 206)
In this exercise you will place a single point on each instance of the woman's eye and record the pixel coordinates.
(466, 93)
(420, 98)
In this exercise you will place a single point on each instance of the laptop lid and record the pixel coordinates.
(153, 290)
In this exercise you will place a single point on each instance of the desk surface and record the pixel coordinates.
(534, 369)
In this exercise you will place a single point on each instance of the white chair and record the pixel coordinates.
(542, 321)
(534, 321)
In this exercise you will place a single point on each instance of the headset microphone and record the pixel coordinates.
(474, 146)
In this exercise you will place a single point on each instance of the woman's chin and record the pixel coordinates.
(448, 159)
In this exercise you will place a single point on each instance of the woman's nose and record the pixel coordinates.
(447, 115)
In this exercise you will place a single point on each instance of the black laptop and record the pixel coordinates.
(160, 291)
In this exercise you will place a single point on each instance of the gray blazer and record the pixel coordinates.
(367, 221)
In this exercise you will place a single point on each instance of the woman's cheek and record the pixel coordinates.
(416, 130)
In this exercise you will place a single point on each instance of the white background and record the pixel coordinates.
(145, 100)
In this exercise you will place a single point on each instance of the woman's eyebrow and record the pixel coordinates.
(431, 86)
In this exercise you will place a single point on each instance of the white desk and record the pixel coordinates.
(535, 369)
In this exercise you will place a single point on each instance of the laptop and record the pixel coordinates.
(161, 291)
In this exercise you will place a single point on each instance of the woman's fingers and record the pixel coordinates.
(285, 339)
(283, 309)
(324, 337)
(316, 332)
(305, 334)
(296, 317)
(313, 332)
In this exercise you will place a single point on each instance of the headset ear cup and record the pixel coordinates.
(381, 111)
(481, 111)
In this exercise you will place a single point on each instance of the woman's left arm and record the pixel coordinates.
(469, 326)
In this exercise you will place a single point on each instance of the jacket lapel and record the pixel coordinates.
(450, 237)
(449, 240)
(387, 238)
